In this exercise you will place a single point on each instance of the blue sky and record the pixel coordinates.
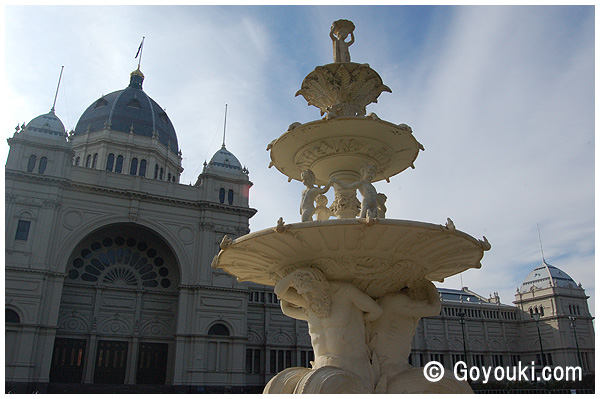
(502, 98)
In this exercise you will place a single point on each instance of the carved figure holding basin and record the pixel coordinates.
(310, 193)
(336, 312)
(340, 30)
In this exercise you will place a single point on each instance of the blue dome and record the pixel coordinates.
(545, 276)
(121, 109)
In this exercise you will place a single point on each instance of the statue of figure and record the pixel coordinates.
(309, 194)
(336, 313)
(339, 32)
(391, 337)
(392, 333)
(368, 208)
(381, 208)
(322, 212)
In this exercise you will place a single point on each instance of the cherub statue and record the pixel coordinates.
(340, 30)
(368, 208)
(381, 208)
(322, 211)
(307, 205)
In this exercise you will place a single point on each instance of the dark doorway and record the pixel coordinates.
(67, 360)
(111, 362)
(152, 363)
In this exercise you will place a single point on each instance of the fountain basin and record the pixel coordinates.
(344, 144)
(378, 259)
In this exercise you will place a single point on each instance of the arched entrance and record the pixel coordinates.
(118, 310)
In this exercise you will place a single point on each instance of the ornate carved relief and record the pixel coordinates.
(115, 325)
(342, 89)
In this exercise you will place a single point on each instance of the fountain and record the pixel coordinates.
(362, 281)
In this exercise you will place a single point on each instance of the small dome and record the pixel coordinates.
(545, 276)
(225, 161)
(47, 125)
(131, 107)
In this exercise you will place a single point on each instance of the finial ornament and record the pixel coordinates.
(340, 30)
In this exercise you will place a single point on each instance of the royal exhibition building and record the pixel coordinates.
(110, 288)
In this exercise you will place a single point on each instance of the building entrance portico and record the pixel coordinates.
(118, 310)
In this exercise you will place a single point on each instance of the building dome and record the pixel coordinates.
(129, 110)
(47, 125)
(545, 276)
(225, 161)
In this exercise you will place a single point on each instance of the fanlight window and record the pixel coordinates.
(121, 260)
(219, 329)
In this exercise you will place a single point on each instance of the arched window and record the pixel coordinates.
(531, 311)
(143, 168)
(88, 161)
(31, 163)
(218, 348)
(133, 169)
(95, 161)
(42, 165)
(156, 171)
(542, 310)
(169, 176)
(577, 307)
(219, 329)
(161, 173)
(119, 164)
(230, 197)
(77, 161)
(222, 195)
(10, 316)
(110, 161)
(570, 309)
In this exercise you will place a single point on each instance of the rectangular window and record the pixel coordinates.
(253, 361)
(478, 361)
(280, 359)
(23, 230)
(438, 357)
(497, 360)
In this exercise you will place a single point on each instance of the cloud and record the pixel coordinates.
(501, 97)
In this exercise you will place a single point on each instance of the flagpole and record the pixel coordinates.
(57, 87)
(140, 51)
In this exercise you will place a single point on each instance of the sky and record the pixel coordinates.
(501, 97)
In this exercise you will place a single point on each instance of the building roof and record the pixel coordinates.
(448, 294)
(46, 125)
(131, 107)
(545, 276)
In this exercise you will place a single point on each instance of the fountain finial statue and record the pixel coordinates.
(340, 30)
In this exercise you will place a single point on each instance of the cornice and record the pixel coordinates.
(35, 271)
(19, 175)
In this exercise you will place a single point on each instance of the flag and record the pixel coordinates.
(140, 48)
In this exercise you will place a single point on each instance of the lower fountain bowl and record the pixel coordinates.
(378, 259)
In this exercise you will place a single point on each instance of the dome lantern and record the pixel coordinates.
(136, 78)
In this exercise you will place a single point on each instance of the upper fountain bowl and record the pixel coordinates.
(344, 145)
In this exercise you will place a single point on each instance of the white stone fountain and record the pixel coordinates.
(361, 281)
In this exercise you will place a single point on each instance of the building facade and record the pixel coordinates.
(109, 281)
